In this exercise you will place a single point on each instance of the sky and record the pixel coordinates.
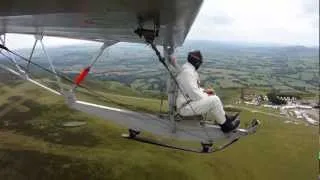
(293, 22)
(281, 22)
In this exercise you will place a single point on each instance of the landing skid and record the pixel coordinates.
(132, 134)
(190, 130)
(206, 147)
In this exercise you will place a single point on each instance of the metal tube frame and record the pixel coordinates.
(70, 95)
(173, 89)
(40, 38)
(3, 40)
(31, 54)
(171, 86)
(21, 72)
(97, 56)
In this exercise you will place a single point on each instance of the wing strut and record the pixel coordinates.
(3, 40)
(31, 54)
(70, 95)
(11, 57)
(149, 38)
(39, 38)
(182, 130)
(84, 72)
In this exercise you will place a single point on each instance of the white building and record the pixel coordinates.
(309, 120)
(298, 114)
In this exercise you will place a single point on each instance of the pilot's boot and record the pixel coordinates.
(232, 117)
(231, 123)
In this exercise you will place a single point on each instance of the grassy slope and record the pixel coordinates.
(33, 145)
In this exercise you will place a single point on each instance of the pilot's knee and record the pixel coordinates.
(214, 99)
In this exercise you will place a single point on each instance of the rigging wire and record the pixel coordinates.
(10, 60)
(187, 98)
(162, 97)
(14, 64)
(95, 94)
(61, 75)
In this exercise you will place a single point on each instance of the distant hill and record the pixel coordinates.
(226, 65)
(187, 46)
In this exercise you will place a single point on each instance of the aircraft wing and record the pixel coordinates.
(100, 20)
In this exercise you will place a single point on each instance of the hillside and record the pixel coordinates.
(34, 145)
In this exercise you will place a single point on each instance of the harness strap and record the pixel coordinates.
(184, 104)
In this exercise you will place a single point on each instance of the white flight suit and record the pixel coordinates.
(200, 103)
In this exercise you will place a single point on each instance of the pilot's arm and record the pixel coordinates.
(191, 87)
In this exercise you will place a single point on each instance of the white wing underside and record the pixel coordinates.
(100, 20)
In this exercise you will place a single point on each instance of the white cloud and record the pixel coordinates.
(294, 22)
(273, 21)
(16, 41)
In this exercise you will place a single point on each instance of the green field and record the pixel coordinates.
(34, 145)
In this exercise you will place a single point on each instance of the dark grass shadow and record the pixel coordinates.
(44, 122)
(11, 81)
(26, 164)
(30, 164)
(2, 91)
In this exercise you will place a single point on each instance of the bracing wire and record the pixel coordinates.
(95, 94)
(162, 60)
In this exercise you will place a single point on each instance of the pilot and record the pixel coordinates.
(199, 101)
